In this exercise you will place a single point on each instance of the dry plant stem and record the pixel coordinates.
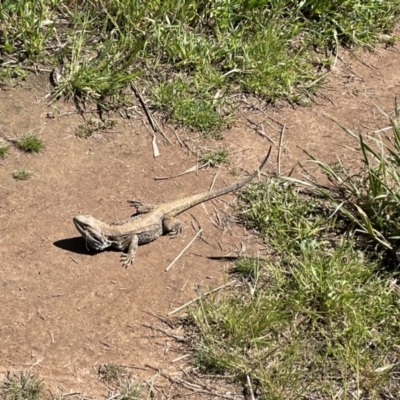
(181, 253)
(153, 123)
(202, 297)
(250, 387)
(32, 69)
(214, 179)
(188, 171)
(202, 388)
(280, 148)
(177, 338)
(156, 152)
(259, 128)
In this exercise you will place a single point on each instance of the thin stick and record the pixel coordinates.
(188, 171)
(32, 69)
(280, 149)
(180, 254)
(250, 387)
(180, 358)
(156, 152)
(214, 179)
(201, 297)
(153, 123)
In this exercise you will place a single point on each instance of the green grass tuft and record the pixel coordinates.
(195, 58)
(4, 150)
(214, 158)
(314, 320)
(21, 386)
(29, 143)
(21, 174)
(92, 126)
(130, 390)
(368, 199)
(112, 373)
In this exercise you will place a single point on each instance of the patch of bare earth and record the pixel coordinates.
(66, 310)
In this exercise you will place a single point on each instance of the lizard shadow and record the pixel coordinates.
(77, 245)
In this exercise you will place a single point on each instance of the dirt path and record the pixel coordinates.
(65, 310)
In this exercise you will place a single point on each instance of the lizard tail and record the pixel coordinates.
(178, 206)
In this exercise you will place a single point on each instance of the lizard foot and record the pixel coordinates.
(127, 260)
(175, 232)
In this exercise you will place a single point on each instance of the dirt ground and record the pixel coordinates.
(66, 310)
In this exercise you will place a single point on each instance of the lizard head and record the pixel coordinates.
(92, 231)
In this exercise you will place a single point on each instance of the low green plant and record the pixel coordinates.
(93, 125)
(3, 150)
(130, 390)
(368, 198)
(112, 373)
(21, 174)
(104, 75)
(21, 386)
(314, 319)
(191, 105)
(29, 142)
(197, 60)
(214, 158)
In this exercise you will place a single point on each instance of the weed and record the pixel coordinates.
(10, 73)
(21, 386)
(314, 320)
(195, 58)
(369, 198)
(112, 373)
(29, 143)
(21, 174)
(4, 150)
(214, 158)
(130, 391)
(91, 126)
(189, 105)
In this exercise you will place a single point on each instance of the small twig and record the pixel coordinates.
(153, 123)
(109, 333)
(156, 152)
(177, 137)
(188, 171)
(280, 149)
(162, 319)
(180, 358)
(214, 179)
(187, 246)
(114, 159)
(33, 69)
(114, 397)
(199, 389)
(201, 297)
(250, 387)
(177, 338)
(134, 367)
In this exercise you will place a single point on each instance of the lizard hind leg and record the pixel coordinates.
(172, 226)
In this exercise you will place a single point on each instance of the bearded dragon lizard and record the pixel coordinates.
(148, 223)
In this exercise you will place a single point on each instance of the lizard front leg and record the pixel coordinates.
(141, 208)
(172, 226)
(128, 258)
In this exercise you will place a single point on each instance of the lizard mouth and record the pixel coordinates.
(94, 239)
